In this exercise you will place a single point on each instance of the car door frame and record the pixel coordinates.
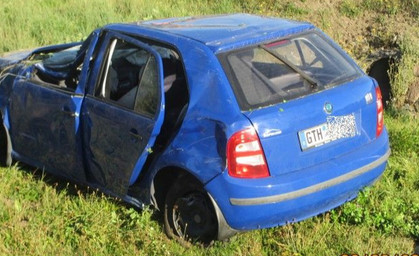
(96, 79)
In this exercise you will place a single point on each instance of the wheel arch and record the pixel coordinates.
(162, 181)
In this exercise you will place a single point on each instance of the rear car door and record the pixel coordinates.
(123, 112)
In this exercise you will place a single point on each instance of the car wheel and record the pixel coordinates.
(5, 148)
(189, 214)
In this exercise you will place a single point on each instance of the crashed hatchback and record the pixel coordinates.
(224, 123)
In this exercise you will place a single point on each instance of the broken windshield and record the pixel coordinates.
(283, 70)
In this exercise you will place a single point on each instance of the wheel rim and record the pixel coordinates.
(192, 217)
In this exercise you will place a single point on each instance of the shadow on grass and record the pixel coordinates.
(74, 189)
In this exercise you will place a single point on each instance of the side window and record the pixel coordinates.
(130, 78)
(147, 94)
(57, 69)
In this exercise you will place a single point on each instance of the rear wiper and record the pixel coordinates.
(314, 83)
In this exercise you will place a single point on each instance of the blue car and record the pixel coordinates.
(224, 123)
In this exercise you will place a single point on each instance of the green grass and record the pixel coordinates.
(403, 76)
(31, 23)
(349, 8)
(40, 215)
(392, 7)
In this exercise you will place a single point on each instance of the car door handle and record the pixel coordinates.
(66, 110)
(134, 133)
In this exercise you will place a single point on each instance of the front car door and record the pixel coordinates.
(123, 112)
(44, 121)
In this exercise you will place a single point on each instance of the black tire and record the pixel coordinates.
(5, 157)
(189, 214)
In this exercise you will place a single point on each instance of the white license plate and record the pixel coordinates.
(335, 128)
(314, 136)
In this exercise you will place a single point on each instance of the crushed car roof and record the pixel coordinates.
(224, 32)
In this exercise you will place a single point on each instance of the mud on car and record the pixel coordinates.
(224, 123)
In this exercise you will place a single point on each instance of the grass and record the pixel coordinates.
(32, 23)
(40, 215)
(403, 76)
(349, 8)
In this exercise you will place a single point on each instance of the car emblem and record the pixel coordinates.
(368, 98)
(328, 108)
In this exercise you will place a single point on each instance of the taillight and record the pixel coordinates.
(245, 157)
(380, 112)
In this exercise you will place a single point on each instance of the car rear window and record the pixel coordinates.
(286, 69)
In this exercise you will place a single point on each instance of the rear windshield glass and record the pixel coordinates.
(279, 71)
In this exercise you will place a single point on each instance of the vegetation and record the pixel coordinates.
(40, 215)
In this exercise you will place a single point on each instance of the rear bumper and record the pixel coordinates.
(260, 203)
(311, 189)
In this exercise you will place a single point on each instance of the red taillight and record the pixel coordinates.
(380, 111)
(245, 157)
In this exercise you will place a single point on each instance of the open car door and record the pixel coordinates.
(123, 111)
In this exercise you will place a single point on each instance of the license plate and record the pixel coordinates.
(314, 136)
(335, 128)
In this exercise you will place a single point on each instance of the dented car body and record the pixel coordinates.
(224, 123)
